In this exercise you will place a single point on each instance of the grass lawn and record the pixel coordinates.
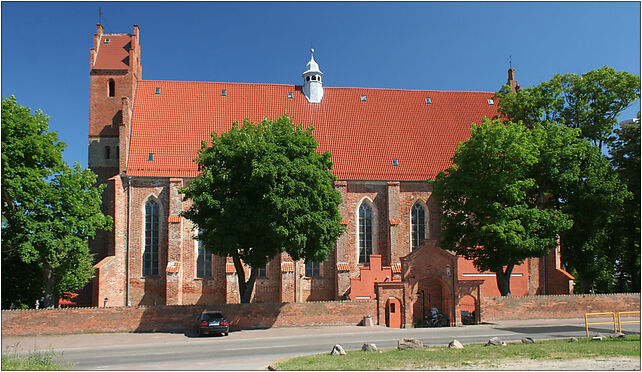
(35, 361)
(442, 357)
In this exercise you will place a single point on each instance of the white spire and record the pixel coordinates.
(312, 86)
(312, 66)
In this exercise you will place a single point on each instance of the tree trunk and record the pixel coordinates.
(50, 283)
(503, 280)
(245, 288)
(249, 286)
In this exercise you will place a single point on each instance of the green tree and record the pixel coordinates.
(49, 210)
(625, 156)
(497, 197)
(593, 245)
(597, 202)
(264, 190)
(590, 102)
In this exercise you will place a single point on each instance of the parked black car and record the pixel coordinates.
(212, 321)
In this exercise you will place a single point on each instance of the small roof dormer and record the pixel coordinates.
(312, 85)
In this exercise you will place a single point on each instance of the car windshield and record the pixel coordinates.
(211, 316)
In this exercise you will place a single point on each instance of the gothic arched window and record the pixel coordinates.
(365, 232)
(112, 88)
(418, 225)
(203, 261)
(152, 232)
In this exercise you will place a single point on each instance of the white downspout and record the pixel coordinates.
(129, 185)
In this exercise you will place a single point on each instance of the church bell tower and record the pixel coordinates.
(312, 86)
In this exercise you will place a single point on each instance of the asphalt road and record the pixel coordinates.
(255, 349)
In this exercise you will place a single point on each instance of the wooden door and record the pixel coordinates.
(393, 313)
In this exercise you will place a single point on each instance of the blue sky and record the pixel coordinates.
(404, 45)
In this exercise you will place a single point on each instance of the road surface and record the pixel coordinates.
(256, 349)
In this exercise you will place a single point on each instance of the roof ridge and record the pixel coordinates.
(415, 90)
(215, 82)
(325, 87)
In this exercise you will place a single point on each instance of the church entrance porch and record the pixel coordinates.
(432, 302)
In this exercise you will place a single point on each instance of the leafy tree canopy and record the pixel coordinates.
(594, 248)
(625, 157)
(501, 197)
(49, 209)
(264, 189)
(590, 102)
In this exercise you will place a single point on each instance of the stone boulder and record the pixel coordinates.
(454, 344)
(572, 339)
(369, 347)
(409, 344)
(619, 335)
(337, 350)
(597, 338)
(495, 341)
(527, 340)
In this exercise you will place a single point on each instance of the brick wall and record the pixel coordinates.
(556, 306)
(182, 318)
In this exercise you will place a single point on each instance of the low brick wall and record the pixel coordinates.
(182, 319)
(556, 306)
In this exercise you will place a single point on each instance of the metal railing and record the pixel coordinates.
(619, 320)
(586, 322)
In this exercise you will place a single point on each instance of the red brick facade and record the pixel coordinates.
(448, 282)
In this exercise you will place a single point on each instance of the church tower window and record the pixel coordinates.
(152, 232)
(365, 232)
(107, 152)
(112, 88)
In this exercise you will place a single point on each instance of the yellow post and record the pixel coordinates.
(619, 320)
(586, 322)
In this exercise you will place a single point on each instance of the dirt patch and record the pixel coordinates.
(601, 364)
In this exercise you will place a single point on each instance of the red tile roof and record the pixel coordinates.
(115, 54)
(364, 137)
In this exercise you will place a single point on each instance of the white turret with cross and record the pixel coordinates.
(312, 86)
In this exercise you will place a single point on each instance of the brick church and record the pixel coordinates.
(385, 144)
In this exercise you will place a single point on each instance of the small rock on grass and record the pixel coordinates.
(495, 341)
(619, 335)
(270, 368)
(409, 344)
(454, 344)
(369, 347)
(597, 338)
(337, 350)
(527, 340)
(572, 339)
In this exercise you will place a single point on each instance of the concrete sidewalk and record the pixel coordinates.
(46, 342)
